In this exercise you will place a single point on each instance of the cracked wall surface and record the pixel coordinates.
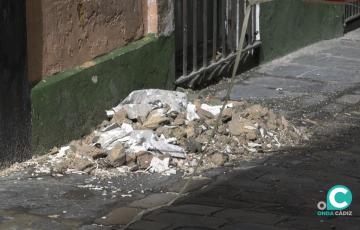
(67, 33)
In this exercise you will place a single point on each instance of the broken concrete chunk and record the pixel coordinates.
(180, 119)
(129, 141)
(203, 114)
(255, 112)
(219, 159)
(239, 126)
(190, 131)
(161, 166)
(155, 121)
(117, 156)
(271, 122)
(93, 152)
(108, 139)
(119, 117)
(144, 160)
(193, 146)
(227, 115)
(214, 110)
(191, 114)
(82, 164)
(171, 132)
(164, 130)
(137, 111)
(130, 157)
(176, 100)
(284, 122)
(168, 149)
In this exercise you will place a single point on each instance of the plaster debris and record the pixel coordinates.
(159, 166)
(215, 110)
(159, 131)
(191, 114)
(156, 97)
(108, 139)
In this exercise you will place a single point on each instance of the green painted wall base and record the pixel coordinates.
(67, 105)
(287, 25)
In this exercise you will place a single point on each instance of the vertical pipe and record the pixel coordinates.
(215, 26)
(185, 37)
(253, 24)
(234, 19)
(205, 33)
(195, 27)
(223, 30)
(257, 23)
(237, 23)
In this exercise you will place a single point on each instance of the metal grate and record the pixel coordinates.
(207, 36)
(352, 11)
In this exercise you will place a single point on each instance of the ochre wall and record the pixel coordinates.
(63, 34)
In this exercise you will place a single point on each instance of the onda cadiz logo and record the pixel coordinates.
(338, 200)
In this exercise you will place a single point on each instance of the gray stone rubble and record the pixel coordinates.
(161, 131)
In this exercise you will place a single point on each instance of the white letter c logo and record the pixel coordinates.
(333, 201)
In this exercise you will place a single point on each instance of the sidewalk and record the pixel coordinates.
(318, 86)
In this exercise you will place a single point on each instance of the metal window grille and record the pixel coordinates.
(207, 36)
(352, 11)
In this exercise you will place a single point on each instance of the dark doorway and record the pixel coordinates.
(15, 114)
(352, 16)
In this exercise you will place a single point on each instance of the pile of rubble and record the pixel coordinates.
(160, 131)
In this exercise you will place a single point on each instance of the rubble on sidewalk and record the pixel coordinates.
(160, 131)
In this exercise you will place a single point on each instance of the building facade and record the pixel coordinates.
(85, 56)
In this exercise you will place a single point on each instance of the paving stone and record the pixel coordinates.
(349, 43)
(242, 226)
(335, 75)
(241, 91)
(245, 216)
(343, 51)
(310, 60)
(255, 92)
(349, 99)
(184, 220)
(146, 225)
(333, 108)
(357, 92)
(334, 87)
(307, 223)
(95, 227)
(212, 173)
(194, 209)
(286, 84)
(352, 36)
(196, 184)
(313, 100)
(153, 200)
(286, 70)
(322, 61)
(119, 216)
